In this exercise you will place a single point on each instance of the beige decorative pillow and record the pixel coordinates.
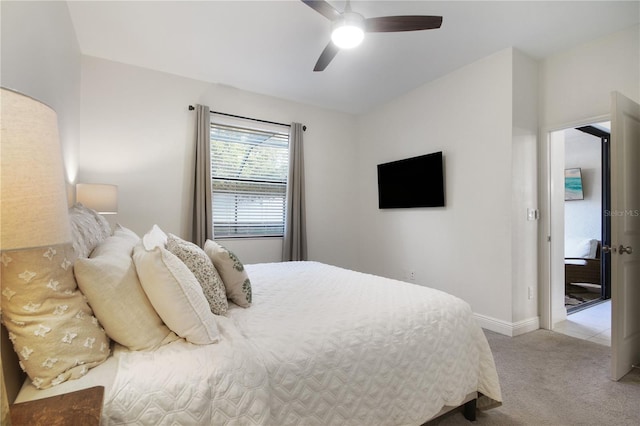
(110, 282)
(175, 294)
(235, 278)
(52, 328)
(88, 229)
(202, 268)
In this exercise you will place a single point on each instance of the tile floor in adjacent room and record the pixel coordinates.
(593, 324)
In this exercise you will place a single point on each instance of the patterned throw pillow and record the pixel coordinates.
(199, 263)
(235, 278)
(52, 328)
(110, 282)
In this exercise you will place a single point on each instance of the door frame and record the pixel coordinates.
(547, 264)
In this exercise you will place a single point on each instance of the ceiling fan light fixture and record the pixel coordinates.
(348, 32)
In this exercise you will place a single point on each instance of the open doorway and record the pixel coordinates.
(624, 334)
(587, 227)
(582, 156)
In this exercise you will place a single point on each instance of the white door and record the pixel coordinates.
(625, 235)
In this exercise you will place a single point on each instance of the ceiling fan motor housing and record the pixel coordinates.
(348, 31)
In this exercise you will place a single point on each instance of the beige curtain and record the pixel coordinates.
(295, 234)
(202, 228)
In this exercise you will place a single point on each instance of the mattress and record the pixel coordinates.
(320, 345)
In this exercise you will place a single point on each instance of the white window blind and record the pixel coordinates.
(249, 169)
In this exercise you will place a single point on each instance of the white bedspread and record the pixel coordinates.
(319, 346)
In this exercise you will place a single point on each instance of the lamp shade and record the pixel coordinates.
(99, 197)
(33, 198)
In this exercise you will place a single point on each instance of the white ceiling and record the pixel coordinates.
(270, 47)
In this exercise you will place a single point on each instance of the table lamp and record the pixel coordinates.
(99, 197)
(33, 200)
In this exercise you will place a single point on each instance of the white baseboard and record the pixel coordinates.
(511, 329)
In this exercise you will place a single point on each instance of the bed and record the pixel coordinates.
(317, 345)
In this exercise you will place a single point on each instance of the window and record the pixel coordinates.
(249, 169)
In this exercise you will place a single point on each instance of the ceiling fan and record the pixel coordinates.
(348, 27)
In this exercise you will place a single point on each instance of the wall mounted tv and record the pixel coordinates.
(412, 182)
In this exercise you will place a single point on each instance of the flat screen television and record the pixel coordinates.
(412, 182)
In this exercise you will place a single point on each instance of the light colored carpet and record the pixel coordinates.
(552, 379)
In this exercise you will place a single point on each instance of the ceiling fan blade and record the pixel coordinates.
(387, 24)
(326, 56)
(323, 8)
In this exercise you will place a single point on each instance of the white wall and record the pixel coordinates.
(577, 84)
(583, 218)
(480, 247)
(465, 247)
(41, 58)
(137, 133)
(524, 192)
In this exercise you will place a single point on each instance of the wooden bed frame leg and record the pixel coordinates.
(469, 410)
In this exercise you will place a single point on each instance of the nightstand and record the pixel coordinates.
(81, 408)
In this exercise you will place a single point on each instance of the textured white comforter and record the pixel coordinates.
(319, 346)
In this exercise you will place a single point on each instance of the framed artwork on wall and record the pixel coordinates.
(573, 184)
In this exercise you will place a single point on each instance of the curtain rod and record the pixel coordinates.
(304, 128)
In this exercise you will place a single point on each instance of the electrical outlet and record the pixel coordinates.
(412, 275)
(530, 292)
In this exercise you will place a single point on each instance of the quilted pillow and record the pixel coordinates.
(175, 294)
(110, 282)
(235, 278)
(202, 268)
(88, 229)
(52, 328)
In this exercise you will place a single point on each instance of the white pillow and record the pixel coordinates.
(175, 294)
(110, 282)
(577, 247)
(154, 238)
